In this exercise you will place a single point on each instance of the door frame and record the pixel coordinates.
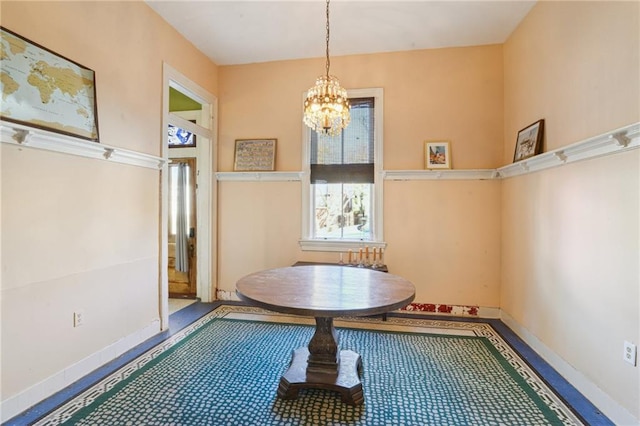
(206, 194)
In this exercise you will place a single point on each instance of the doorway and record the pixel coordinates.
(189, 142)
(183, 226)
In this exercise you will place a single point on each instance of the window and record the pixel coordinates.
(342, 185)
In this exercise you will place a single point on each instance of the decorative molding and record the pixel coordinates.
(449, 174)
(23, 136)
(259, 176)
(623, 139)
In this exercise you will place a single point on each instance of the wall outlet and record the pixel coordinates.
(78, 318)
(630, 353)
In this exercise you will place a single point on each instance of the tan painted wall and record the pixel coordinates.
(570, 236)
(259, 226)
(453, 94)
(444, 236)
(80, 233)
(575, 64)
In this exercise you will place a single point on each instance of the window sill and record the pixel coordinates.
(339, 246)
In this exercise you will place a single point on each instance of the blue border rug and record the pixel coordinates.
(225, 369)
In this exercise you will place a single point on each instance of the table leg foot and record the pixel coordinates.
(346, 381)
(286, 390)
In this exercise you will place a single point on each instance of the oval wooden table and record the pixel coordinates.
(325, 292)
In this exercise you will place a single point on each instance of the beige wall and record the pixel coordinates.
(575, 64)
(454, 94)
(570, 236)
(80, 233)
(444, 236)
(259, 225)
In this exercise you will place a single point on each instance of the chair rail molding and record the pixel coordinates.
(447, 174)
(29, 137)
(619, 140)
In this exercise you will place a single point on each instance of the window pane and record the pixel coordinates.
(180, 138)
(349, 156)
(342, 210)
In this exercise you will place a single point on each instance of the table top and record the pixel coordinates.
(325, 291)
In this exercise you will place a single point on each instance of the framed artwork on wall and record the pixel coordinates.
(529, 142)
(437, 155)
(255, 155)
(45, 90)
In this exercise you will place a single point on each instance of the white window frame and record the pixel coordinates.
(307, 242)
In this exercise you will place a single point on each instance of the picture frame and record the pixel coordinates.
(255, 155)
(529, 141)
(45, 90)
(437, 155)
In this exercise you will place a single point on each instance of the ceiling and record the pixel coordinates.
(241, 32)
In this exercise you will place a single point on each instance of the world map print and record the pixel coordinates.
(42, 89)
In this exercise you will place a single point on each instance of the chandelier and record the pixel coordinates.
(326, 109)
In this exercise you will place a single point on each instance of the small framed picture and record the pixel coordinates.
(437, 155)
(529, 142)
(255, 155)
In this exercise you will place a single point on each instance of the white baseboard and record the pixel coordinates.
(18, 403)
(618, 414)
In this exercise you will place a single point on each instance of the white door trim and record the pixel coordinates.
(206, 193)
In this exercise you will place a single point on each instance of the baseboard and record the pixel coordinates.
(618, 414)
(20, 402)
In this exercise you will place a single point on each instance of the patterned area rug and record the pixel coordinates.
(225, 368)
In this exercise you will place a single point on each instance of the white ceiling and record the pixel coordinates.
(240, 31)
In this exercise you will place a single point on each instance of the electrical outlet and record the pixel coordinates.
(78, 318)
(630, 353)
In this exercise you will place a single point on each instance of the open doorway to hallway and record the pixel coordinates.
(183, 229)
(188, 233)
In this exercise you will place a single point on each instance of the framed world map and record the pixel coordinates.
(45, 90)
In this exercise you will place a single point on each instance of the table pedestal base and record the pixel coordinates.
(346, 380)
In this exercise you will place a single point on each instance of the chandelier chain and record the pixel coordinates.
(328, 61)
(326, 107)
